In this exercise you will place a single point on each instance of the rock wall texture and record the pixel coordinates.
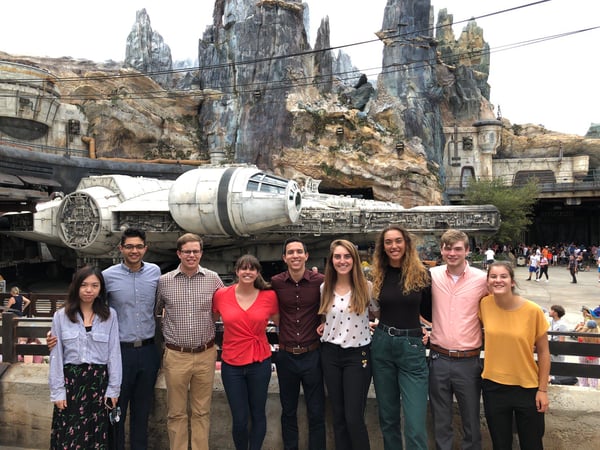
(259, 93)
(147, 52)
(26, 412)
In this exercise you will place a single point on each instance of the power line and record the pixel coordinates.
(278, 57)
(265, 86)
(237, 89)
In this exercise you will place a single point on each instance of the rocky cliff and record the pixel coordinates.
(263, 95)
(147, 52)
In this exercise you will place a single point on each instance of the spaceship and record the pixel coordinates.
(236, 209)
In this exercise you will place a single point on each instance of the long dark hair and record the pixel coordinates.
(251, 262)
(72, 303)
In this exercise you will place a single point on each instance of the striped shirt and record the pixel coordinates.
(187, 303)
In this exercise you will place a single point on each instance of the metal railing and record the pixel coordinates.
(15, 330)
(41, 148)
(456, 185)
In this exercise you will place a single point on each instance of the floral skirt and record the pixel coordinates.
(83, 424)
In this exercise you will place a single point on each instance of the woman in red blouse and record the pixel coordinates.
(245, 309)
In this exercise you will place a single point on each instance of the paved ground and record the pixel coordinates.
(560, 291)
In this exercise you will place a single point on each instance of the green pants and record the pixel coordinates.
(401, 378)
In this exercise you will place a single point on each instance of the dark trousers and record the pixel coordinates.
(460, 378)
(140, 367)
(246, 388)
(502, 403)
(293, 371)
(573, 272)
(401, 379)
(347, 373)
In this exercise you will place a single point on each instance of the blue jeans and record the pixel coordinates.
(305, 369)
(140, 367)
(246, 388)
(347, 373)
(401, 378)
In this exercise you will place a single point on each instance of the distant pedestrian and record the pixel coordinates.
(489, 256)
(17, 303)
(534, 263)
(543, 268)
(573, 268)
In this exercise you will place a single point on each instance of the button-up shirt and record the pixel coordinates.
(132, 295)
(298, 308)
(187, 303)
(75, 345)
(455, 321)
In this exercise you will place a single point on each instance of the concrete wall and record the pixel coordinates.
(573, 421)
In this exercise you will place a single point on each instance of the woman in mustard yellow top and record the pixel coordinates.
(513, 384)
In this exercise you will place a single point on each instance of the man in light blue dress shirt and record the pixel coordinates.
(131, 291)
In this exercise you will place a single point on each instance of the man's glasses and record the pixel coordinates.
(131, 246)
(191, 252)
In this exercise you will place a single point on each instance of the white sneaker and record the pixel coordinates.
(547, 281)
(537, 279)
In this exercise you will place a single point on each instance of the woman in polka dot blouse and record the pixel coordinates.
(346, 338)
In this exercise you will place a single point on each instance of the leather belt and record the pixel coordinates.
(200, 349)
(393, 331)
(137, 344)
(297, 350)
(455, 353)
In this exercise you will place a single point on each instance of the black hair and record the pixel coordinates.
(133, 232)
(293, 239)
(72, 303)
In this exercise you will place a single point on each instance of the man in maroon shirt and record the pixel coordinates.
(299, 358)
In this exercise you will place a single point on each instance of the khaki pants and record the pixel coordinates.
(193, 374)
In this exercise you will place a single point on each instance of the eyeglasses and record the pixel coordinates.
(191, 252)
(131, 246)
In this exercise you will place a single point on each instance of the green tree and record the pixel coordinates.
(515, 204)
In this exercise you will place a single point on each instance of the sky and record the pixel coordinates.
(553, 83)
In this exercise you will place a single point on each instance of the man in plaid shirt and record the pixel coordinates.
(184, 298)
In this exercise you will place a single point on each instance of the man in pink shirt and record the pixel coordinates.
(455, 343)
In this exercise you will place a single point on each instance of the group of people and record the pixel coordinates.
(574, 257)
(538, 261)
(103, 355)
